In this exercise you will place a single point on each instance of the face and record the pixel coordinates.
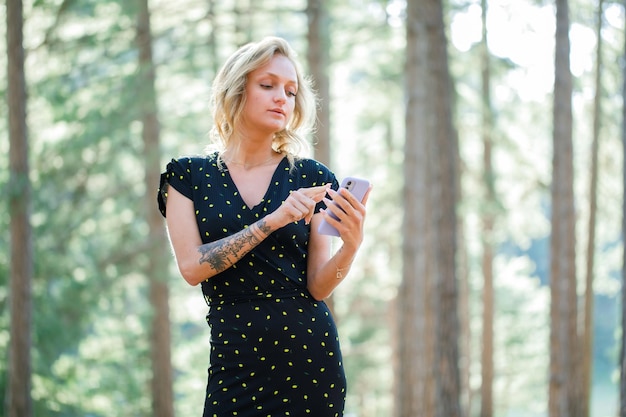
(270, 96)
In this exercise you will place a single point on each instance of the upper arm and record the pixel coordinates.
(182, 230)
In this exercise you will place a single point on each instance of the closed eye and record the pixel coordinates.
(270, 86)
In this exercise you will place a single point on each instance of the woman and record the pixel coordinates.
(243, 222)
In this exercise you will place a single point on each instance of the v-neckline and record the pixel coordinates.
(273, 179)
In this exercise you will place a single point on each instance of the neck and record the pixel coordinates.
(250, 160)
(246, 148)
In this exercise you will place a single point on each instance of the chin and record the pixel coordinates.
(275, 128)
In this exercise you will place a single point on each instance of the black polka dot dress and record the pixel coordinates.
(274, 350)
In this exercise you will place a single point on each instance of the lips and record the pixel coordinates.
(278, 110)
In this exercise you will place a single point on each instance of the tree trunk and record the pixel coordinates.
(428, 382)
(563, 309)
(444, 198)
(487, 367)
(243, 21)
(317, 58)
(622, 355)
(587, 331)
(156, 271)
(18, 399)
(415, 336)
(465, 351)
(212, 41)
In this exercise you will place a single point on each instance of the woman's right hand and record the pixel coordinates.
(299, 205)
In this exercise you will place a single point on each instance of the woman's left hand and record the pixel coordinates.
(351, 214)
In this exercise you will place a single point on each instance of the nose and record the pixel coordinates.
(280, 96)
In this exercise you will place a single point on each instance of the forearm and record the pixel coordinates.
(325, 279)
(215, 257)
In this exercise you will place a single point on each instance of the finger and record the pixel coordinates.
(349, 197)
(367, 194)
(295, 214)
(353, 201)
(315, 193)
(316, 198)
(333, 207)
(314, 190)
(308, 217)
(344, 199)
(309, 197)
(303, 205)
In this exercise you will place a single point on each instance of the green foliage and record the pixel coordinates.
(91, 313)
(87, 179)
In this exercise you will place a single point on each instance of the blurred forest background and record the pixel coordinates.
(451, 108)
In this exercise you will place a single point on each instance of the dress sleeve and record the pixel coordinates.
(178, 175)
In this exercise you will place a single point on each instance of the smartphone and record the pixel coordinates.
(358, 187)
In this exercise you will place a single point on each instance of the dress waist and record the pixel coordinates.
(278, 294)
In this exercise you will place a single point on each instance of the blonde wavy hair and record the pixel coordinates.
(228, 97)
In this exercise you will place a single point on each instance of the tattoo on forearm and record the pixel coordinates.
(222, 254)
(263, 227)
